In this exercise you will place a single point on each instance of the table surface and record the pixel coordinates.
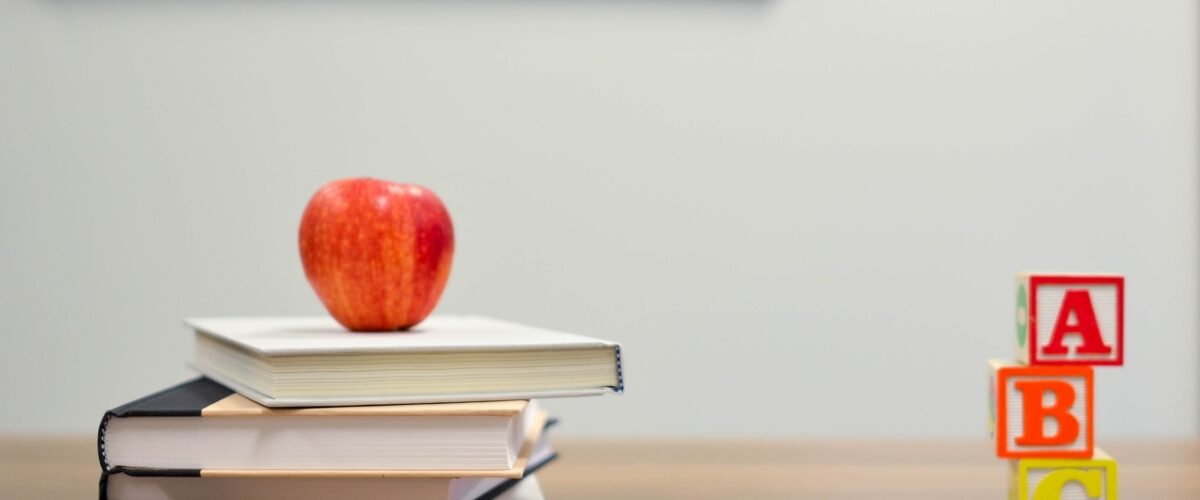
(60, 467)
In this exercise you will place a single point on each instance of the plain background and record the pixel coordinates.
(802, 218)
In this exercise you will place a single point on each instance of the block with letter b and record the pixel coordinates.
(1070, 319)
(1042, 411)
(1092, 478)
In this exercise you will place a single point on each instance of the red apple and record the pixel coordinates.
(376, 252)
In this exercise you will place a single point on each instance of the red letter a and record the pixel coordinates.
(1080, 303)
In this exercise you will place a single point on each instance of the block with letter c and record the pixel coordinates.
(1092, 478)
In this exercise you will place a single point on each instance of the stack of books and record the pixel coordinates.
(1042, 403)
(299, 408)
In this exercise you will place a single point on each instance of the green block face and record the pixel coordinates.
(1022, 315)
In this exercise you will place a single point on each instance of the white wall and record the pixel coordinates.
(801, 217)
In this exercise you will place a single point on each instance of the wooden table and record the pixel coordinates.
(53, 467)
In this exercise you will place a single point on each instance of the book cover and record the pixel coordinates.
(270, 361)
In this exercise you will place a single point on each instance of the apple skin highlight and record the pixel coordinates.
(376, 252)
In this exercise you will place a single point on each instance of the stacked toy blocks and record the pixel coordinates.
(1042, 404)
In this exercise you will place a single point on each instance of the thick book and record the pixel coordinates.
(203, 426)
(313, 361)
(160, 484)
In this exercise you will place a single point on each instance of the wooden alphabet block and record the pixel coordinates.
(1042, 411)
(1093, 478)
(1070, 319)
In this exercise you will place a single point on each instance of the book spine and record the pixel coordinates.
(141, 471)
(620, 388)
(101, 436)
(184, 400)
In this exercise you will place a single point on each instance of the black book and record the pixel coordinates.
(200, 439)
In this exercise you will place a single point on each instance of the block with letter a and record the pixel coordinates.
(1091, 478)
(1042, 411)
(1070, 319)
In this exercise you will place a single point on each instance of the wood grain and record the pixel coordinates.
(835, 470)
(66, 467)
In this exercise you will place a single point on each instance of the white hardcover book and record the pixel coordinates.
(313, 361)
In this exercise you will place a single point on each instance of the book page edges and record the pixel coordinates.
(532, 435)
(236, 405)
(265, 400)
